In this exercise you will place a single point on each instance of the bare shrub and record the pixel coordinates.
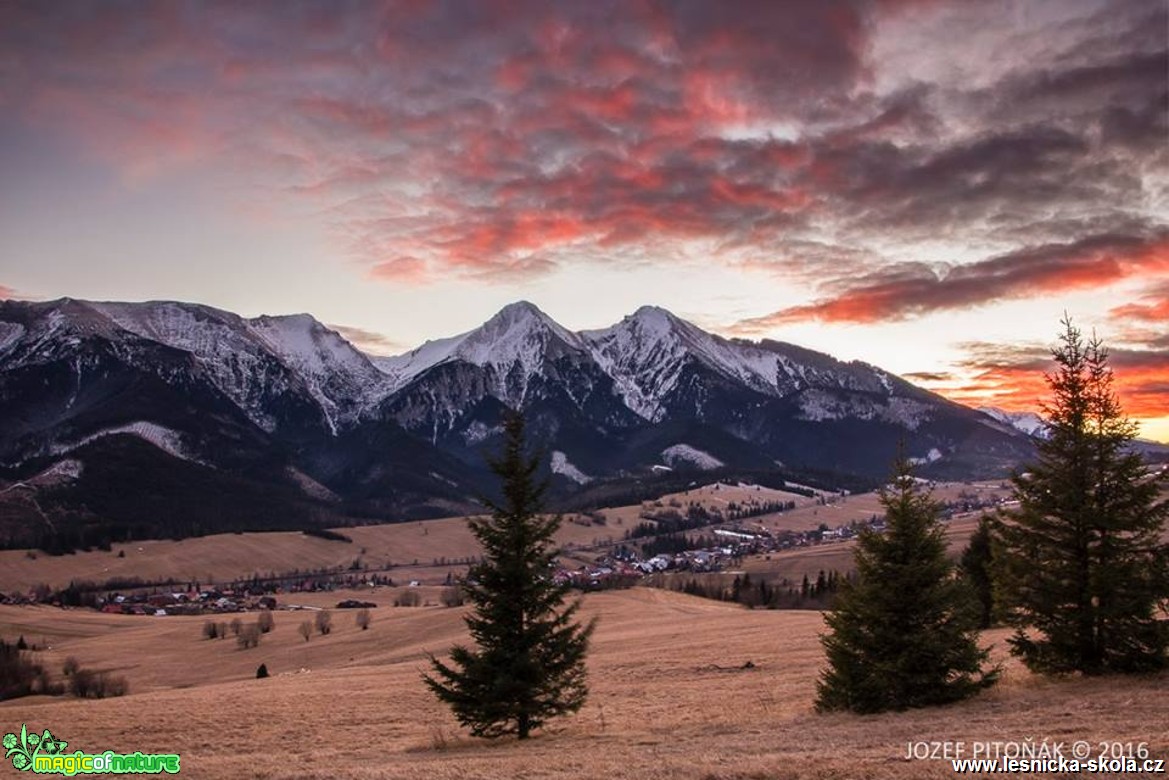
(236, 624)
(81, 683)
(266, 621)
(363, 618)
(114, 686)
(409, 598)
(324, 621)
(88, 684)
(249, 636)
(210, 630)
(452, 596)
(305, 629)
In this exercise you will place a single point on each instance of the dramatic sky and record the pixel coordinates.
(927, 186)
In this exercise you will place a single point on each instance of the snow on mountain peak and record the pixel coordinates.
(240, 355)
(340, 378)
(518, 332)
(647, 351)
(519, 336)
(1029, 423)
(520, 310)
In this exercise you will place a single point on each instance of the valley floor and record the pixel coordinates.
(670, 698)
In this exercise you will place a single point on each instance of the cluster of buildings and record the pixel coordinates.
(623, 565)
(188, 602)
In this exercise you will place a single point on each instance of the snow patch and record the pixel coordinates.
(561, 465)
(477, 432)
(10, 333)
(167, 440)
(819, 405)
(63, 469)
(932, 456)
(692, 455)
(310, 486)
(906, 412)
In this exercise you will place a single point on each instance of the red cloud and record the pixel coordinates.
(401, 269)
(1153, 307)
(440, 139)
(911, 290)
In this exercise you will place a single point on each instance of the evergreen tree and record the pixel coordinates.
(1081, 566)
(903, 634)
(529, 663)
(975, 567)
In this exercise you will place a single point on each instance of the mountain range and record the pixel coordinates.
(166, 418)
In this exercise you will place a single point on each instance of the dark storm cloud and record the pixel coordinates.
(929, 376)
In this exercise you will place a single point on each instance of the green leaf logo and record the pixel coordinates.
(23, 750)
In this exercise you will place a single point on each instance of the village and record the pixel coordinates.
(670, 537)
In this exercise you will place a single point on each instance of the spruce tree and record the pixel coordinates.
(903, 632)
(1081, 565)
(528, 665)
(975, 568)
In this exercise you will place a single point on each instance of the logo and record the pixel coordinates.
(45, 754)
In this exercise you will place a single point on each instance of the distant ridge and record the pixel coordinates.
(287, 408)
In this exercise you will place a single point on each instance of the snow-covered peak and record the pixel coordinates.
(1029, 423)
(202, 330)
(520, 311)
(519, 333)
(341, 379)
(249, 358)
(305, 343)
(654, 318)
(400, 369)
(647, 351)
(519, 337)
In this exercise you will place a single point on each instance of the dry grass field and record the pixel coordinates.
(669, 699)
(223, 557)
(670, 695)
(411, 548)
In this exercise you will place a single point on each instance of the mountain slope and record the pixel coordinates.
(612, 400)
(303, 418)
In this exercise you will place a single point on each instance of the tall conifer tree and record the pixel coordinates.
(975, 568)
(1082, 568)
(903, 633)
(528, 665)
